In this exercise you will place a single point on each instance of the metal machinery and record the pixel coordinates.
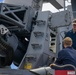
(31, 38)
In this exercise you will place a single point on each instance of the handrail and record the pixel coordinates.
(62, 67)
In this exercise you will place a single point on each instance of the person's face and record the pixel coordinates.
(74, 27)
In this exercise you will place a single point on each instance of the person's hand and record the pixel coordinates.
(52, 65)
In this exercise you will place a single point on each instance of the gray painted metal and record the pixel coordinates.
(43, 71)
(12, 14)
(19, 2)
(14, 72)
(38, 50)
(37, 4)
(10, 11)
(61, 19)
(74, 7)
(39, 71)
(56, 3)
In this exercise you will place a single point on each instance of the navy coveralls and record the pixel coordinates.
(66, 56)
(72, 35)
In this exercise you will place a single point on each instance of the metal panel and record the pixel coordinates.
(19, 2)
(73, 2)
(61, 2)
(69, 7)
(57, 3)
(39, 43)
(61, 19)
(6, 71)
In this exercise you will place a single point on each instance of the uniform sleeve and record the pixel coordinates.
(66, 34)
(61, 57)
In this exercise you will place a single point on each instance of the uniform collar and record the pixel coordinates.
(73, 31)
(68, 47)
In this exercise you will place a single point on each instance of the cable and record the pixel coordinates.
(6, 50)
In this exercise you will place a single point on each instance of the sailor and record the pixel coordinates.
(72, 34)
(67, 55)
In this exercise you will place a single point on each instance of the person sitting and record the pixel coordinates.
(67, 55)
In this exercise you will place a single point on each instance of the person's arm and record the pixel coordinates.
(61, 57)
(57, 61)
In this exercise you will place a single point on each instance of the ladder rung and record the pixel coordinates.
(40, 22)
(38, 33)
(36, 46)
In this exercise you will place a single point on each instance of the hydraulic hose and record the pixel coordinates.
(6, 53)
